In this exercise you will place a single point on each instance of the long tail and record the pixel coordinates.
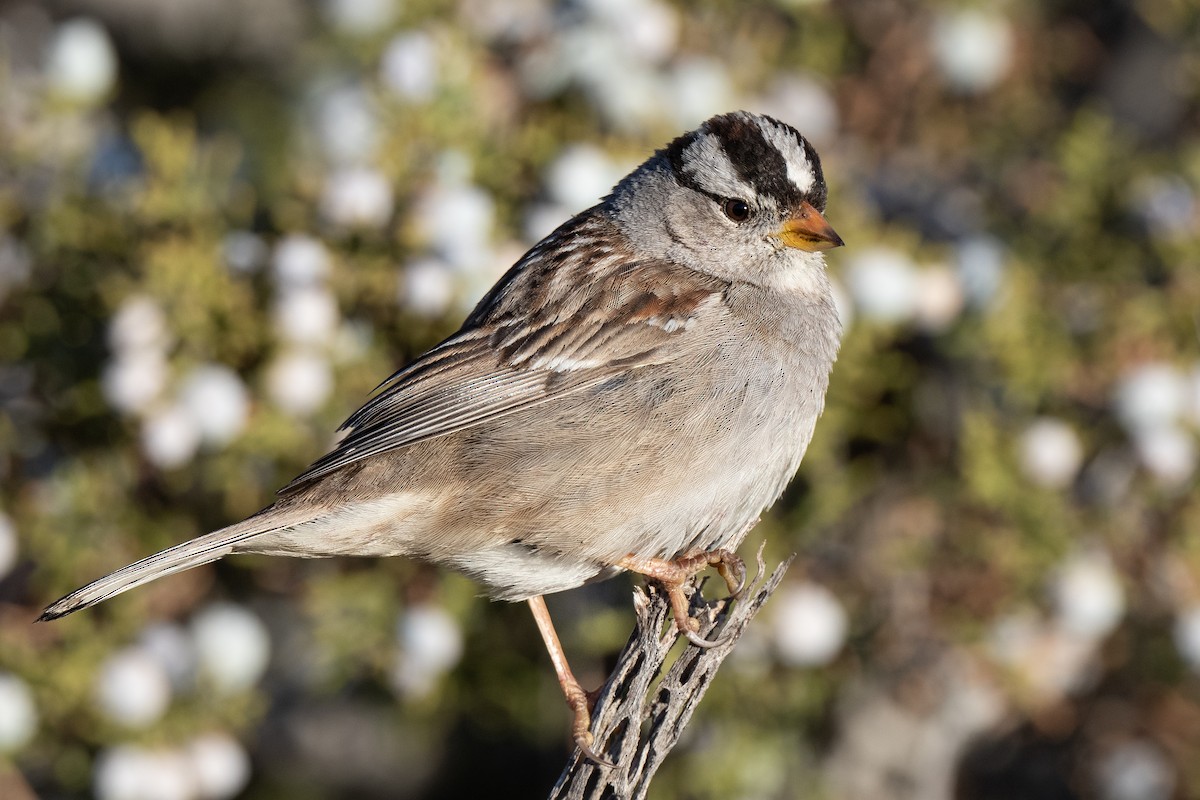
(192, 553)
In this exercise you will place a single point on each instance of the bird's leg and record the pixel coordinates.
(674, 574)
(581, 702)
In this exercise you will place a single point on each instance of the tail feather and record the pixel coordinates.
(192, 553)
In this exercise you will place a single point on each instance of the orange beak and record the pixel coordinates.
(808, 230)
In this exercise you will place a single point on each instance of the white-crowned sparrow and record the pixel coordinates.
(632, 394)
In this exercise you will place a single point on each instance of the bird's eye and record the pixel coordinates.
(737, 210)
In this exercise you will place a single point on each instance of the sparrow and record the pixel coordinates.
(630, 396)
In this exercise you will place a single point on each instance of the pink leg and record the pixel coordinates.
(579, 700)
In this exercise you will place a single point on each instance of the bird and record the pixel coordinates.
(631, 396)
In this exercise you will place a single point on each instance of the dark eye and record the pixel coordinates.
(737, 210)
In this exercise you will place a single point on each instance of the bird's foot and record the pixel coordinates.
(674, 575)
(729, 566)
(581, 704)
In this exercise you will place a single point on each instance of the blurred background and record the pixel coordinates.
(222, 222)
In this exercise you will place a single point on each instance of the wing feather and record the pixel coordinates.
(546, 331)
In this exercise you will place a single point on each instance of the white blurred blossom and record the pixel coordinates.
(132, 381)
(1050, 452)
(170, 436)
(650, 30)
(1168, 452)
(542, 68)
(361, 17)
(138, 325)
(455, 218)
(357, 197)
(18, 713)
(647, 30)
(1152, 395)
(217, 401)
(588, 52)
(132, 688)
(1135, 770)
(1151, 401)
(170, 646)
(804, 103)
(220, 765)
(980, 262)
(1088, 598)
(131, 772)
(629, 99)
(809, 625)
(9, 549)
(1168, 205)
(1050, 661)
(300, 261)
(409, 67)
(579, 177)
(972, 47)
(427, 287)
(883, 283)
(306, 315)
(299, 381)
(347, 125)
(244, 251)
(699, 88)
(939, 298)
(430, 644)
(81, 63)
(232, 646)
(1187, 636)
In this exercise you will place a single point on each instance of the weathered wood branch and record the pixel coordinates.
(636, 729)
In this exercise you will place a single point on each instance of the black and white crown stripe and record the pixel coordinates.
(747, 155)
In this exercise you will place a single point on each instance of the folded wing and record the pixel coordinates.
(551, 327)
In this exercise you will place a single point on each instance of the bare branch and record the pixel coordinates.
(637, 729)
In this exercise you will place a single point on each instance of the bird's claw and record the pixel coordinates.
(583, 736)
(584, 743)
(733, 570)
(581, 703)
(701, 642)
(674, 576)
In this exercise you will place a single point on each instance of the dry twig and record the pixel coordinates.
(636, 730)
